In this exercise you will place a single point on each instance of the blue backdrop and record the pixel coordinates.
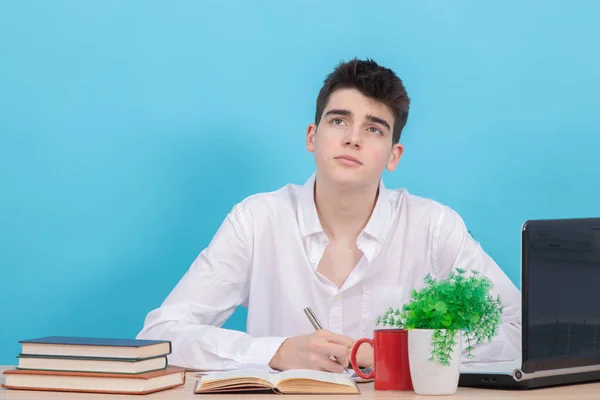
(128, 130)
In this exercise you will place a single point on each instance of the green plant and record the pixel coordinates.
(457, 303)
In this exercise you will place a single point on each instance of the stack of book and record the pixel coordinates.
(94, 365)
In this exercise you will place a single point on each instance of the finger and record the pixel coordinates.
(345, 362)
(331, 349)
(326, 364)
(336, 338)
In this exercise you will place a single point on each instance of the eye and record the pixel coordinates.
(338, 121)
(375, 130)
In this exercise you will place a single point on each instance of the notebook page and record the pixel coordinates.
(341, 379)
(237, 373)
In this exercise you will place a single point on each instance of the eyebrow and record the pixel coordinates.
(378, 120)
(348, 113)
(345, 113)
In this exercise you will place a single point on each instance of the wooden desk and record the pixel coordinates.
(583, 391)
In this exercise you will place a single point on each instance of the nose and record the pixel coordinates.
(353, 139)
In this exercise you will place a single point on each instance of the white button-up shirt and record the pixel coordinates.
(265, 256)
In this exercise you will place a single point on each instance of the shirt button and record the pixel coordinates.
(338, 297)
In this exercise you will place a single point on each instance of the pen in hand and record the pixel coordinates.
(317, 325)
(313, 319)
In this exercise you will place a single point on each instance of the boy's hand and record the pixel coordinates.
(315, 351)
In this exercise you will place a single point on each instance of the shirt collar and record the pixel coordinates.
(378, 224)
(380, 220)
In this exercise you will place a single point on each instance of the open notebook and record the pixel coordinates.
(297, 381)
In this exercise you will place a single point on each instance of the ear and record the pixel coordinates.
(395, 155)
(311, 131)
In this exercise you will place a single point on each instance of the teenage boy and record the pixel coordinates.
(342, 244)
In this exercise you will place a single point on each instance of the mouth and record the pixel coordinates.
(348, 160)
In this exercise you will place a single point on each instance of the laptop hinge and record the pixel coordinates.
(519, 375)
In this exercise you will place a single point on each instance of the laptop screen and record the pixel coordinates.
(561, 282)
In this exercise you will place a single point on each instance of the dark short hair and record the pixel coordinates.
(372, 80)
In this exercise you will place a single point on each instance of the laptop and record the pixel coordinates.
(560, 289)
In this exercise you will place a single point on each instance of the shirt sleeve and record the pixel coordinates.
(454, 247)
(215, 284)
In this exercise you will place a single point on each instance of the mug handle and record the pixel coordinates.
(353, 359)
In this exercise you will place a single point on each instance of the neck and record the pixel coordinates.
(343, 211)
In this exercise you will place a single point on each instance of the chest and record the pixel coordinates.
(338, 261)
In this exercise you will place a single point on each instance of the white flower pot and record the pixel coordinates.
(430, 377)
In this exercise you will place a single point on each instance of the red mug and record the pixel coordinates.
(390, 354)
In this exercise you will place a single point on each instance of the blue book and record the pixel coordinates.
(69, 346)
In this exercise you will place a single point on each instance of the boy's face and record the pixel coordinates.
(353, 141)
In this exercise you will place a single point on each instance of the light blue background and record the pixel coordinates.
(129, 129)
